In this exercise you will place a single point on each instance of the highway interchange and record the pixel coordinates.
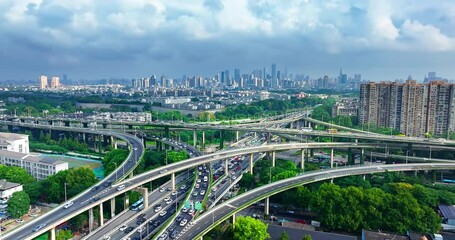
(105, 193)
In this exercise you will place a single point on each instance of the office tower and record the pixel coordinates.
(134, 83)
(237, 75)
(43, 82)
(153, 80)
(146, 82)
(162, 81)
(273, 83)
(55, 82)
(264, 72)
(223, 78)
(227, 78)
(342, 78)
(412, 108)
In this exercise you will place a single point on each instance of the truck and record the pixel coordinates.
(436, 236)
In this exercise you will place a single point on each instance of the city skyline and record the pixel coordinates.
(93, 40)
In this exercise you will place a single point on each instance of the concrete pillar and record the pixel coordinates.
(126, 201)
(194, 138)
(203, 139)
(173, 181)
(237, 136)
(233, 220)
(221, 139)
(112, 207)
(362, 156)
(302, 159)
(291, 125)
(145, 194)
(131, 174)
(251, 163)
(269, 137)
(90, 220)
(178, 136)
(52, 234)
(273, 158)
(115, 144)
(331, 158)
(226, 168)
(101, 215)
(84, 138)
(331, 180)
(267, 207)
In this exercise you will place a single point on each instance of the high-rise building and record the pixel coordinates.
(274, 82)
(55, 82)
(43, 82)
(412, 108)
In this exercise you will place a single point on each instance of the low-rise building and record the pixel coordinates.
(14, 142)
(346, 107)
(7, 189)
(40, 167)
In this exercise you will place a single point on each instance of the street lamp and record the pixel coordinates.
(65, 192)
(115, 171)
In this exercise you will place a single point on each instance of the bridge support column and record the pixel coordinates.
(178, 136)
(251, 163)
(233, 220)
(90, 220)
(362, 156)
(267, 207)
(364, 177)
(145, 194)
(52, 234)
(203, 139)
(302, 159)
(331, 180)
(194, 138)
(237, 136)
(131, 174)
(291, 125)
(173, 181)
(350, 157)
(269, 138)
(112, 207)
(101, 215)
(126, 201)
(331, 158)
(273, 158)
(410, 152)
(221, 139)
(226, 168)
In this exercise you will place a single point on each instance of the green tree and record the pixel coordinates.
(64, 235)
(247, 228)
(18, 204)
(247, 180)
(79, 179)
(307, 237)
(284, 236)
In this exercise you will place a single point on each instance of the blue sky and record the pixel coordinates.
(382, 39)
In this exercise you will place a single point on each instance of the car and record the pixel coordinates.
(129, 229)
(172, 228)
(195, 193)
(191, 212)
(168, 201)
(202, 192)
(198, 180)
(196, 186)
(169, 189)
(19, 220)
(183, 222)
(107, 183)
(68, 204)
(174, 193)
(234, 177)
(39, 227)
(184, 209)
(106, 237)
(183, 187)
(157, 209)
(163, 236)
(140, 221)
(33, 215)
(141, 216)
(179, 218)
(122, 228)
(162, 189)
(167, 198)
(2, 228)
(121, 187)
(152, 221)
(163, 171)
(141, 229)
(162, 213)
(157, 223)
(95, 188)
(94, 199)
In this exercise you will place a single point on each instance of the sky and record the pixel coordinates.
(87, 39)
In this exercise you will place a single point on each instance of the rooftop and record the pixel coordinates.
(447, 211)
(5, 185)
(12, 136)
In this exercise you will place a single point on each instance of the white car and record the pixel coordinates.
(184, 209)
(168, 202)
(121, 187)
(67, 205)
(157, 209)
(122, 228)
(183, 222)
(19, 220)
(162, 213)
(162, 189)
(141, 229)
(167, 199)
(174, 193)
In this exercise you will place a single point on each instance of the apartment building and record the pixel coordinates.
(412, 108)
(40, 167)
(14, 142)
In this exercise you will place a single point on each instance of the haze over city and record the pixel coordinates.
(382, 40)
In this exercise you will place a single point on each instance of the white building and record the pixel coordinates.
(7, 189)
(38, 166)
(14, 142)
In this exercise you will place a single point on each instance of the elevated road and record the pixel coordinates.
(60, 214)
(211, 218)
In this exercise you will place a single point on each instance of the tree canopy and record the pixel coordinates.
(248, 228)
(18, 204)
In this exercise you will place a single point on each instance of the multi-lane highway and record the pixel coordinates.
(211, 218)
(85, 200)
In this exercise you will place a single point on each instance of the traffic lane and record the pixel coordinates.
(154, 198)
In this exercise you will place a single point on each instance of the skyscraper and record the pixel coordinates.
(55, 82)
(237, 75)
(274, 83)
(43, 82)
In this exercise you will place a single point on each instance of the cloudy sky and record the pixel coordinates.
(87, 39)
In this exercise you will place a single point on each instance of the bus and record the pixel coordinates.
(138, 205)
